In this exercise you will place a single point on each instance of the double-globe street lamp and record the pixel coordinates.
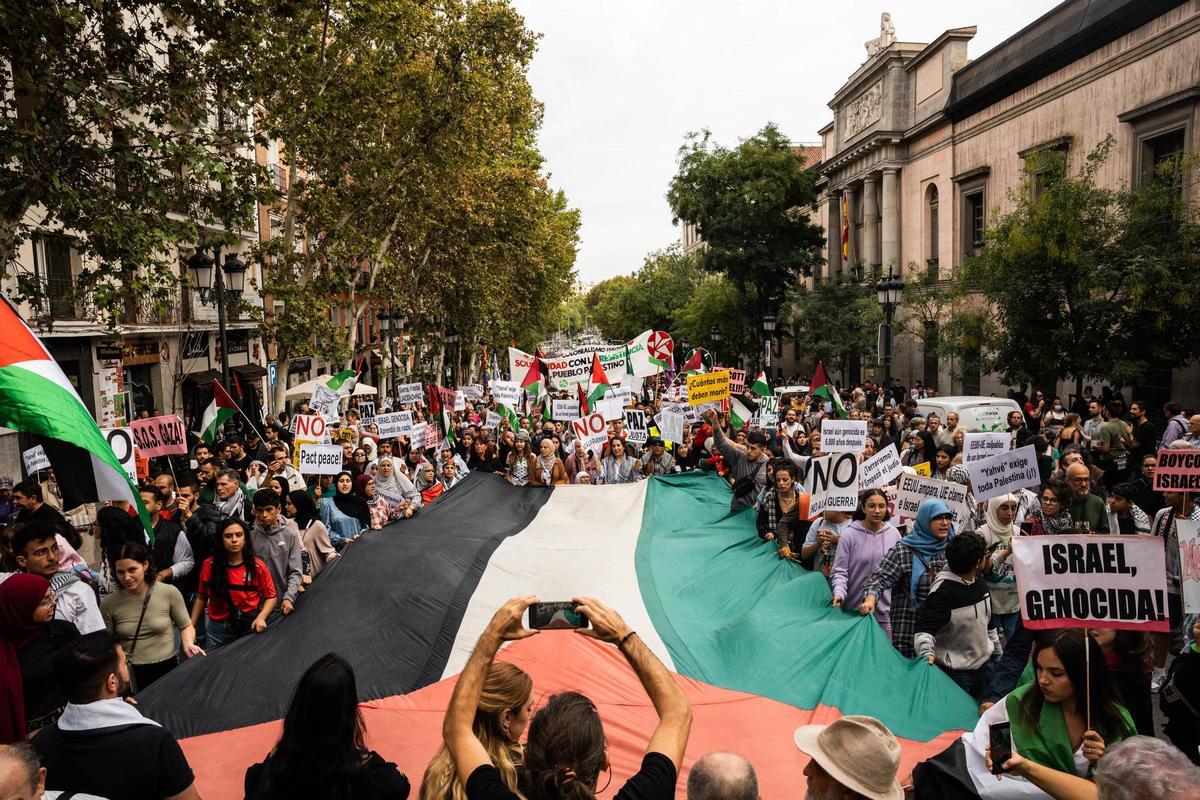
(211, 285)
(715, 335)
(888, 291)
(768, 323)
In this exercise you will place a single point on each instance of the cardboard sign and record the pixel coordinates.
(1082, 581)
(460, 402)
(417, 437)
(737, 380)
(433, 436)
(492, 421)
(366, 412)
(324, 401)
(124, 448)
(320, 459)
(397, 423)
(768, 412)
(392, 499)
(1005, 472)
(978, 446)
(832, 482)
(35, 459)
(472, 392)
(843, 435)
(507, 393)
(1189, 564)
(159, 436)
(563, 410)
(670, 426)
(914, 490)
(410, 393)
(880, 469)
(924, 469)
(635, 426)
(1177, 470)
(611, 408)
(707, 388)
(311, 427)
(592, 430)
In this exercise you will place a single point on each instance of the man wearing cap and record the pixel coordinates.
(656, 460)
(7, 506)
(851, 757)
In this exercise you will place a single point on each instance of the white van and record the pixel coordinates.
(974, 413)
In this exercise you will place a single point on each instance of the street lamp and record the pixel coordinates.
(715, 335)
(888, 292)
(211, 286)
(683, 352)
(452, 347)
(768, 334)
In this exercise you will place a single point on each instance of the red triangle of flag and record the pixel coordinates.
(819, 378)
(222, 398)
(598, 376)
(534, 375)
(583, 403)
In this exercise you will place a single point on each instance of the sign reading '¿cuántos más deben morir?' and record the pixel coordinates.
(1091, 581)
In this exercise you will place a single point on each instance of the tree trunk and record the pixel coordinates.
(279, 395)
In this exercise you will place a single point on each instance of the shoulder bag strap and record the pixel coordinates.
(138, 631)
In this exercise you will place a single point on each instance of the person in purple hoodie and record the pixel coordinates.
(862, 546)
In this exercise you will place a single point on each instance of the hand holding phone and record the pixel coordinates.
(1000, 739)
(555, 616)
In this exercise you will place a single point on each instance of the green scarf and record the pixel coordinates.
(1048, 743)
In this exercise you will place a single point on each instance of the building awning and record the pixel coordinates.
(203, 378)
(249, 372)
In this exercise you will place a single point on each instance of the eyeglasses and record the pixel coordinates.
(1053, 500)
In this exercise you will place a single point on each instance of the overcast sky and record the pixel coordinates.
(622, 81)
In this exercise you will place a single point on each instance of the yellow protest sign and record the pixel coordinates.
(708, 388)
(924, 468)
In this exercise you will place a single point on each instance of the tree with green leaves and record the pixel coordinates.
(750, 205)
(125, 127)
(836, 321)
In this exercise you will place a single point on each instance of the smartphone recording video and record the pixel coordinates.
(555, 616)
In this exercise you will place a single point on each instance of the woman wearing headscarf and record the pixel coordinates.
(1000, 576)
(958, 474)
(908, 570)
(581, 461)
(390, 483)
(344, 513)
(314, 536)
(429, 487)
(377, 507)
(30, 637)
(548, 468)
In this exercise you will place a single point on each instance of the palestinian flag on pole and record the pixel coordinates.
(597, 383)
(821, 387)
(510, 415)
(760, 386)
(37, 398)
(217, 414)
(532, 377)
(699, 362)
(741, 409)
(584, 407)
(344, 382)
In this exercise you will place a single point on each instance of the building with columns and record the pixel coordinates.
(926, 144)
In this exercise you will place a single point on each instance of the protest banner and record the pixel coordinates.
(1189, 563)
(159, 436)
(737, 380)
(832, 483)
(472, 392)
(366, 412)
(915, 489)
(447, 397)
(397, 423)
(613, 361)
(880, 469)
(1086, 581)
(507, 393)
(670, 426)
(35, 459)
(393, 499)
(492, 421)
(635, 426)
(622, 393)
(320, 459)
(707, 387)
(324, 401)
(611, 408)
(1177, 470)
(563, 410)
(565, 372)
(843, 435)
(768, 412)
(417, 437)
(924, 469)
(978, 446)
(433, 436)
(124, 448)
(519, 363)
(592, 430)
(311, 427)
(1004, 472)
(410, 393)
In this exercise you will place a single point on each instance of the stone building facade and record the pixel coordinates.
(926, 144)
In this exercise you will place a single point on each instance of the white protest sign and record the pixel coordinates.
(880, 469)
(635, 426)
(320, 459)
(35, 459)
(493, 420)
(1004, 472)
(472, 391)
(122, 443)
(506, 393)
(832, 482)
(460, 402)
(670, 426)
(915, 489)
(1084, 581)
(366, 412)
(324, 401)
(392, 499)
(592, 430)
(622, 393)
(978, 446)
(1189, 564)
(397, 423)
(417, 437)
(311, 427)
(611, 408)
(843, 435)
(768, 412)
(410, 393)
(563, 410)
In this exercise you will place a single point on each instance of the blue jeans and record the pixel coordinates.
(1008, 624)
(1011, 665)
(971, 681)
(217, 633)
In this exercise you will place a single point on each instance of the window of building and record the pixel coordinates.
(52, 262)
(973, 222)
(972, 210)
(1058, 148)
(931, 226)
(1161, 129)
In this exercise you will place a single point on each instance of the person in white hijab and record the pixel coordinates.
(998, 532)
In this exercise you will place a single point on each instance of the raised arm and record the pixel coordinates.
(674, 712)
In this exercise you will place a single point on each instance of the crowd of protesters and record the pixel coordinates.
(240, 534)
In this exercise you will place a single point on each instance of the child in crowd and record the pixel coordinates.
(954, 629)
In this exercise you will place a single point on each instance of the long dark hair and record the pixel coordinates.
(306, 509)
(322, 745)
(136, 551)
(220, 557)
(565, 753)
(1068, 645)
(860, 512)
(117, 529)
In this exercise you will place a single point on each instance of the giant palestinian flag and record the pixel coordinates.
(37, 398)
(753, 640)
